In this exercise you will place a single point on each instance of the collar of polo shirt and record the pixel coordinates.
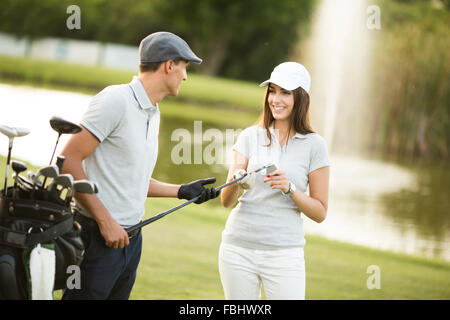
(297, 135)
(141, 95)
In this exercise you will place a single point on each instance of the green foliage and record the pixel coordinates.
(411, 81)
(239, 39)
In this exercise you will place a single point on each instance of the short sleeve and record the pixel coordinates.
(319, 154)
(242, 144)
(103, 114)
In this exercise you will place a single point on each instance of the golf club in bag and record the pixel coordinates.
(30, 215)
(11, 133)
(165, 213)
(61, 126)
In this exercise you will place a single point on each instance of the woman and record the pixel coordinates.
(263, 240)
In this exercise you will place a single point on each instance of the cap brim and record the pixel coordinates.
(265, 83)
(196, 60)
(278, 83)
(192, 57)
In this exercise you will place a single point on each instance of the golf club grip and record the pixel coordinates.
(60, 162)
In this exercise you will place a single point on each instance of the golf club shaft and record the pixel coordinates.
(161, 215)
(7, 166)
(54, 150)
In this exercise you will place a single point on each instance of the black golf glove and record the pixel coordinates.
(191, 190)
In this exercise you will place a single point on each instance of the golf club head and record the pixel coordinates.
(18, 167)
(84, 186)
(26, 184)
(271, 168)
(15, 132)
(47, 172)
(63, 126)
(11, 133)
(64, 180)
(32, 176)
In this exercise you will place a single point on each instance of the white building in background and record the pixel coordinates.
(13, 46)
(91, 53)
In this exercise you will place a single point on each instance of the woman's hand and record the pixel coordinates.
(278, 180)
(247, 182)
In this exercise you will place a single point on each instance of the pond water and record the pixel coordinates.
(372, 203)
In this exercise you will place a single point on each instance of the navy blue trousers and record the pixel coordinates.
(106, 273)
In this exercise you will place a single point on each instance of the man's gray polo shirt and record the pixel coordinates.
(264, 218)
(125, 122)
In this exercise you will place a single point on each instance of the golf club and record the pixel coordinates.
(95, 187)
(60, 162)
(163, 214)
(84, 186)
(11, 133)
(31, 175)
(63, 180)
(26, 184)
(18, 167)
(47, 172)
(62, 126)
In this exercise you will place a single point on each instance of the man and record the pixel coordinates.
(117, 149)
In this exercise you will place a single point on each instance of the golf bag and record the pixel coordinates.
(26, 221)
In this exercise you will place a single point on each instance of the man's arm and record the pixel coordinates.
(185, 191)
(162, 189)
(76, 150)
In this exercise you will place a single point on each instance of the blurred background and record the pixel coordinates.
(379, 96)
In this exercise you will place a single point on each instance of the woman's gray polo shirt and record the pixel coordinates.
(264, 218)
(127, 126)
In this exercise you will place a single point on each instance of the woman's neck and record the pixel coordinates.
(282, 127)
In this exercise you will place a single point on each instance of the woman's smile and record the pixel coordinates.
(278, 109)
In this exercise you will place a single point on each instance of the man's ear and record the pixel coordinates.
(168, 65)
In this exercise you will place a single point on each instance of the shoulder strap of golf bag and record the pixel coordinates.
(24, 240)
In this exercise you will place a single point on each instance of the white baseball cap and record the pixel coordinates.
(290, 76)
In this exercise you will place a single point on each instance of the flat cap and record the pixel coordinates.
(163, 46)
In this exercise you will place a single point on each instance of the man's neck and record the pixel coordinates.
(154, 87)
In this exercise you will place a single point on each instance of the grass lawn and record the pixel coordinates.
(180, 251)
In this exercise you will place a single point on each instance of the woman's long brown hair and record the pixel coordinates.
(299, 119)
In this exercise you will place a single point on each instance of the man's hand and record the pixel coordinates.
(196, 188)
(115, 236)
